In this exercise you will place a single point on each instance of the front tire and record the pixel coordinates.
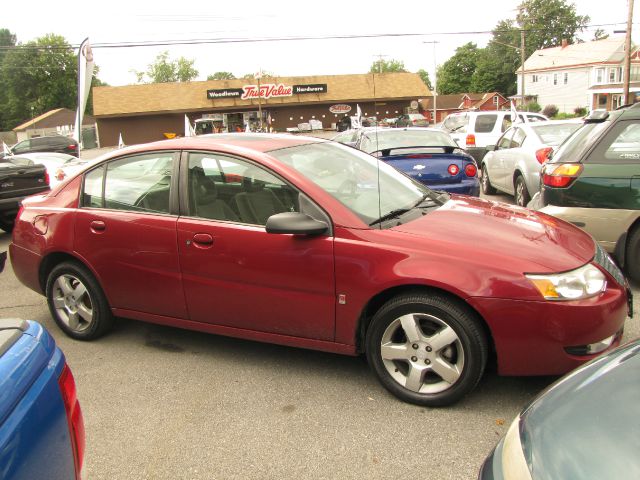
(77, 302)
(427, 349)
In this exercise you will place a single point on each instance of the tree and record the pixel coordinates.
(454, 75)
(548, 22)
(221, 76)
(163, 70)
(600, 34)
(7, 39)
(498, 61)
(36, 77)
(384, 66)
(424, 75)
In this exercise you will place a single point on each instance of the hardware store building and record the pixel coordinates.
(149, 112)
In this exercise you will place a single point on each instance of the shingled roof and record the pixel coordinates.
(192, 96)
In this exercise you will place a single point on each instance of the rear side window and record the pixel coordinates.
(141, 183)
(518, 138)
(573, 149)
(620, 145)
(485, 123)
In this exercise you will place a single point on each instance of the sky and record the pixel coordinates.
(118, 21)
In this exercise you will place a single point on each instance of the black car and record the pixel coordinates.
(585, 426)
(53, 143)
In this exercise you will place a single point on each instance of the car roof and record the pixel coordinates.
(230, 142)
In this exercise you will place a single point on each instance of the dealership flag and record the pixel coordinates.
(5, 149)
(85, 74)
(514, 113)
(120, 142)
(188, 129)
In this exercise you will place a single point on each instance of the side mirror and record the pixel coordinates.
(295, 223)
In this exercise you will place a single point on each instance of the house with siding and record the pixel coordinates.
(446, 104)
(588, 75)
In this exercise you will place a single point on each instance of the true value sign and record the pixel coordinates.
(266, 90)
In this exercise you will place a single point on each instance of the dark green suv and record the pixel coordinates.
(593, 181)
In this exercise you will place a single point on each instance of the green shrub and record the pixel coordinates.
(563, 116)
(580, 111)
(533, 107)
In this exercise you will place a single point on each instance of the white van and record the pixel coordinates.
(473, 131)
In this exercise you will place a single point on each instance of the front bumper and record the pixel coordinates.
(532, 337)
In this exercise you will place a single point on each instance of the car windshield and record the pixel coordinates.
(579, 141)
(555, 134)
(387, 139)
(368, 187)
(455, 122)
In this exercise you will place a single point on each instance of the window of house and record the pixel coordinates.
(612, 75)
(599, 75)
(555, 79)
(534, 78)
(565, 78)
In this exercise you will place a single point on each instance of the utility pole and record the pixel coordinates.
(258, 77)
(435, 82)
(380, 61)
(627, 55)
(522, 64)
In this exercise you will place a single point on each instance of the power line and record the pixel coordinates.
(201, 41)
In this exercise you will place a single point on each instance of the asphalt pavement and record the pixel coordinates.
(165, 403)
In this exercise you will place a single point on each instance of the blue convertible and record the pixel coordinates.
(427, 155)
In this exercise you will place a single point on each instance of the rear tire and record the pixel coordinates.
(427, 349)
(77, 302)
(632, 263)
(520, 191)
(7, 225)
(485, 183)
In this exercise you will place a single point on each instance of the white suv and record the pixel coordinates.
(474, 131)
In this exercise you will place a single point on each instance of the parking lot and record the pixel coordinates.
(161, 402)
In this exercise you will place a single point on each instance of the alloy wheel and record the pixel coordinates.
(422, 353)
(72, 302)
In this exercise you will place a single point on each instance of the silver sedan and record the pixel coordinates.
(513, 164)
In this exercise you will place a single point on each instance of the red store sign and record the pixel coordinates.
(267, 90)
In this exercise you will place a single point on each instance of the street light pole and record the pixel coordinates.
(435, 83)
(627, 56)
(522, 63)
(258, 77)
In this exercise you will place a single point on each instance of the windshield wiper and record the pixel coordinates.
(392, 214)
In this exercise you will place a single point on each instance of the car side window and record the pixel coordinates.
(230, 189)
(485, 123)
(92, 192)
(140, 184)
(620, 145)
(22, 146)
(505, 140)
(518, 138)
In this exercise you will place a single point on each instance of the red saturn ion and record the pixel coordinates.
(309, 243)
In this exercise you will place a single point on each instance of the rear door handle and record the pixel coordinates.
(98, 226)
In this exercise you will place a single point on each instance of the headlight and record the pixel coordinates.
(584, 282)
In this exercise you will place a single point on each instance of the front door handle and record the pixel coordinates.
(202, 240)
(98, 226)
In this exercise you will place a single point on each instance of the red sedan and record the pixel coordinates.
(309, 243)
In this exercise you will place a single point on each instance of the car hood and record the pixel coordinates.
(530, 241)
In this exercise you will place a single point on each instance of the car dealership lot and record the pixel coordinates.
(161, 402)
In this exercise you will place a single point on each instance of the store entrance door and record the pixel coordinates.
(235, 122)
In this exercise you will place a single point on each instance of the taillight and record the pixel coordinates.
(20, 210)
(60, 175)
(73, 146)
(471, 140)
(470, 170)
(74, 416)
(542, 155)
(453, 170)
(415, 122)
(562, 175)
(47, 180)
